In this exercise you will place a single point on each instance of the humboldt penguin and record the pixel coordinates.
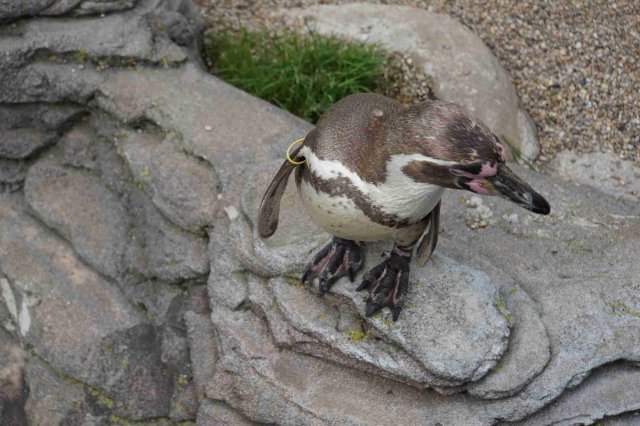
(373, 170)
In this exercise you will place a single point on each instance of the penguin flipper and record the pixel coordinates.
(430, 239)
(269, 210)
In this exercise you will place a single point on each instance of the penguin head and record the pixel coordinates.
(500, 180)
(458, 151)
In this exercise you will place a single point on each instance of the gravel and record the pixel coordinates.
(575, 65)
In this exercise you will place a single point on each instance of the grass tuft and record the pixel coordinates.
(304, 74)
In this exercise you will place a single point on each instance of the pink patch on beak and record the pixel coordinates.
(476, 186)
(488, 170)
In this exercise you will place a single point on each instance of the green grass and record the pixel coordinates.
(304, 74)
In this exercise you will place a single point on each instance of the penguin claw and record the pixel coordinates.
(387, 283)
(338, 258)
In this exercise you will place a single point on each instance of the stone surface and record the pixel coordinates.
(12, 175)
(571, 267)
(600, 170)
(463, 69)
(528, 352)
(610, 390)
(54, 400)
(11, 9)
(13, 391)
(161, 249)
(78, 205)
(201, 335)
(127, 36)
(182, 187)
(78, 322)
(28, 129)
(218, 413)
(158, 96)
(627, 419)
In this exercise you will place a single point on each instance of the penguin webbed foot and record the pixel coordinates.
(338, 258)
(388, 283)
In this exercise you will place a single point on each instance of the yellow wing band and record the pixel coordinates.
(296, 163)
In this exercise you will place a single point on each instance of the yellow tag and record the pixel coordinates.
(295, 163)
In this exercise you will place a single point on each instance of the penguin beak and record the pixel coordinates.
(507, 184)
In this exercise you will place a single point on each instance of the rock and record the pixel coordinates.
(48, 82)
(453, 322)
(21, 143)
(10, 10)
(28, 129)
(270, 385)
(55, 400)
(13, 392)
(12, 175)
(463, 69)
(181, 186)
(156, 298)
(156, 248)
(165, 307)
(40, 116)
(587, 304)
(84, 147)
(83, 210)
(94, 7)
(600, 170)
(611, 390)
(219, 413)
(627, 419)
(185, 100)
(303, 322)
(160, 249)
(77, 321)
(201, 335)
(8, 309)
(13, 10)
(127, 37)
(175, 353)
(128, 365)
(60, 7)
(528, 352)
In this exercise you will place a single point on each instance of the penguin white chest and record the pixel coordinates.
(340, 216)
(399, 197)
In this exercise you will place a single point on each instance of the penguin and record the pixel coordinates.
(373, 170)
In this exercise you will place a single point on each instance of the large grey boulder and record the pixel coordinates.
(462, 67)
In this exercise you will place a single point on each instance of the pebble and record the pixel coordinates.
(208, 128)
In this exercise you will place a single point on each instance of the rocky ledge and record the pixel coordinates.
(135, 289)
